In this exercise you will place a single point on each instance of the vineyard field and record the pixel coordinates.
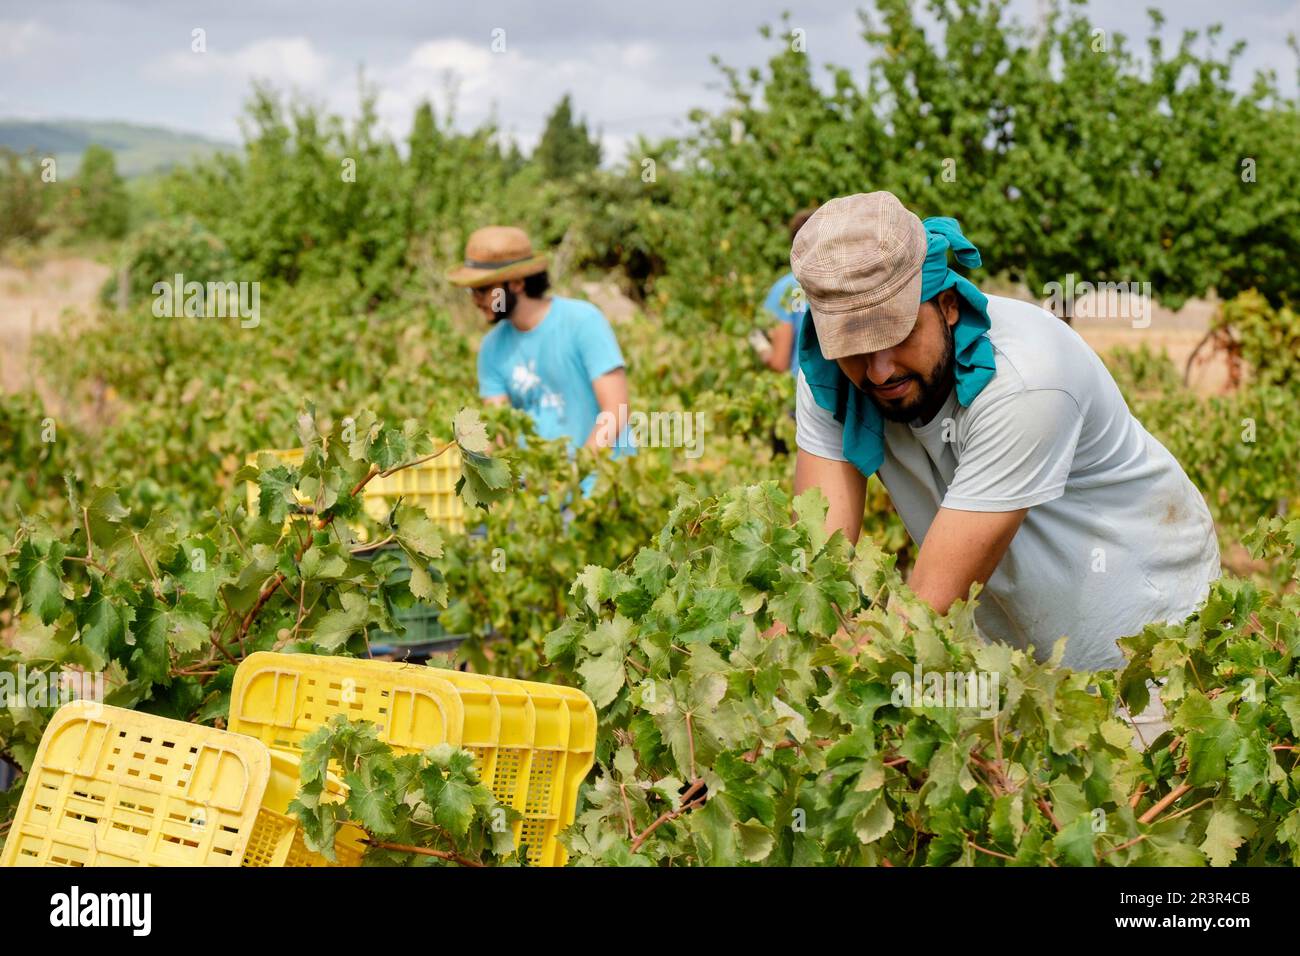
(765, 690)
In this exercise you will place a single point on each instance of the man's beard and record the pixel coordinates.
(508, 300)
(933, 390)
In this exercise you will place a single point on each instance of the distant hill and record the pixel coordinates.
(139, 149)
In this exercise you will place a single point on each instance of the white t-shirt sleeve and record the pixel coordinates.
(816, 430)
(1017, 452)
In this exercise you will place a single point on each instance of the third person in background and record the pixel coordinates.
(784, 303)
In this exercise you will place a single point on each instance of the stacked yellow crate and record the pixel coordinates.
(114, 787)
(533, 743)
(430, 485)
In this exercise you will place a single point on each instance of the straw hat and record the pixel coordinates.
(858, 261)
(496, 254)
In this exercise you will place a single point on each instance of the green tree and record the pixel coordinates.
(425, 142)
(312, 198)
(566, 148)
(22, 203)
(100, 201)
(455, 178)
(1060, 149)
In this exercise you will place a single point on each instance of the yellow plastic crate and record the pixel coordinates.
(534, 743)
(430, 485)
(113, 787)
(277, 838)
(281, 698)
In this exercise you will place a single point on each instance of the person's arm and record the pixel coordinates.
(1016, 454)
(602, 360)
(495, 401)
(960, 548)
(782, 336)
(843, 485)
(611, 393)
(820, 463)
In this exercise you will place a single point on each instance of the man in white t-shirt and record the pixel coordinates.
(1004, 443)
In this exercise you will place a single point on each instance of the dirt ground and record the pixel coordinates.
(611, 300)
(1175, 333)
(35, 300)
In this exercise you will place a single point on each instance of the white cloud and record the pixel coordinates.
(292, 60)
(627, 72)
(637, 56)
(612, 85)
(473, 61)
(284, 61)
(451, 72)
(18, 38)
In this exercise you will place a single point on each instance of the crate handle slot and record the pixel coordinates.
(210, 798)
(278, 680)
(86, 752)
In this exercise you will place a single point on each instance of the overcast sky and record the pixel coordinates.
(630, 66)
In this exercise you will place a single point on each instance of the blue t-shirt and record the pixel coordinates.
(781, 303)
(548, 370)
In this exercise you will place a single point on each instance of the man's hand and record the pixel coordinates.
(843, 485)
(497, 401)
(759, 343)
(960, 548)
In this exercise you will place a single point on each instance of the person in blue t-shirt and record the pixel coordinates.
(785, 303)
(555, 358)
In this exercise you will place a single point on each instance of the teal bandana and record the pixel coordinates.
(864, 428)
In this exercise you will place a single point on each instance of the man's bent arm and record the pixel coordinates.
(960, 548)
(782, 336)
(843, 485)
(611, 394)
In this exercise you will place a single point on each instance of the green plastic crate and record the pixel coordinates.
(424, 632)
